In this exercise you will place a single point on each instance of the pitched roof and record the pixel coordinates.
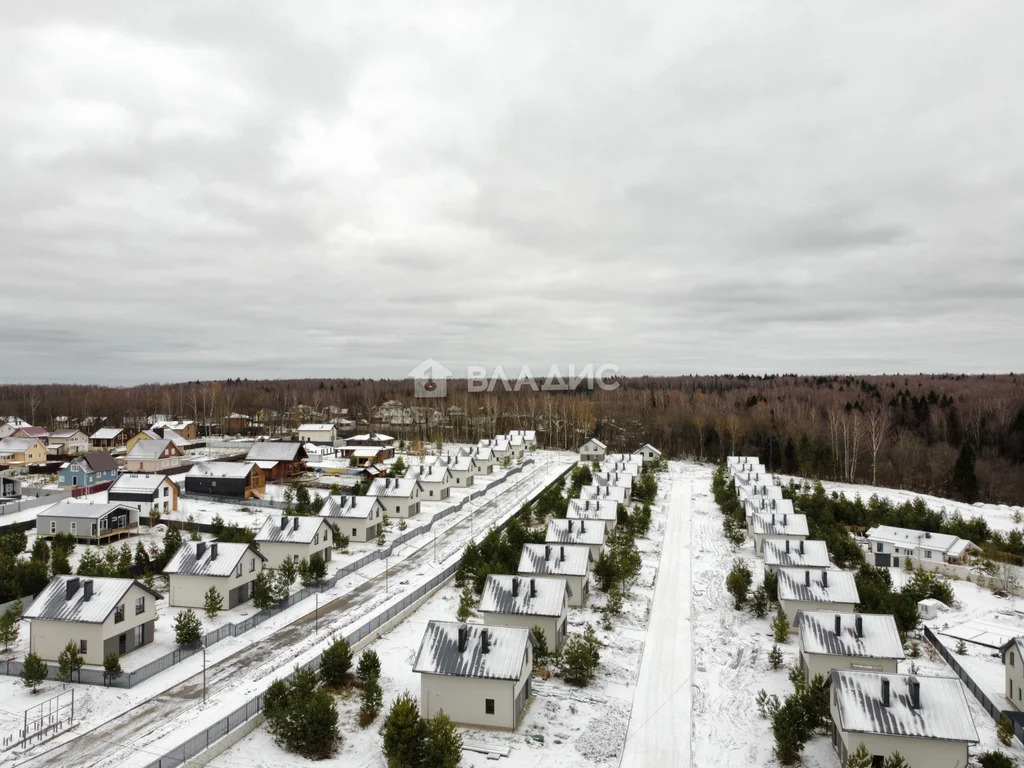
(943, 712)
(99, 461)
(752, 504)
(648, 445)
(431, 474)
(533, 597)
(133, 482)
(555, 559)
(945, 543)
(810, 586)
(595, 441)
(809, 553)
(84, 509)
(64, 434)
(39, 432)
(276, 451)
(151, 449)
(439, 651)
(300, 529)
(173, 425)
(106, 433)
(399, 487)
(360, 507)
(616, 493)
(766, 524)
(316, 427)
(574, 531)
(370, 437)
(54, 605)
(225, 469)
(17, 444)
(592, 509)
(878, 639)
(195, 558)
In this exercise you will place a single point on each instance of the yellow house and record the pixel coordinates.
(22, 450)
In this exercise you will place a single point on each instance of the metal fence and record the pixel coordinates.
(26, 601)
(254, 706)
(994, 712)
(264, 503)
(148, 670)
(35, 501)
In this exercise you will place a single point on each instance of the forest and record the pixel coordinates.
(953, 435)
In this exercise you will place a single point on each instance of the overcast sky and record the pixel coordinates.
(265, 189)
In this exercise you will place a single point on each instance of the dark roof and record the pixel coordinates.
(276, 451)
(53, 603)
(100, 461)
(439, 652)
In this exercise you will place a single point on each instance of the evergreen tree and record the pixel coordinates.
(59, 563)
(172, 543)
(466, 604)
(124, 561)
(34, 671)
(780, 626)
(41, 551)
(369, 666)
(859, 758)
(317, 568)
(263, 591)
(541, 640)
(1004, 730)
(371, 701)
(775, 657)
(112, 665)
(961, 648)
(305, 577)
(442, 747)
(213, 602)
(759, 602)
(336, 662)
(738, 582)
(965, 481)
(791, 730)
(404, 734)
(895, 760)
(69, 661)
(141, 557)
(302, 718)
(10, 628)
(188, 628)
(996, 759)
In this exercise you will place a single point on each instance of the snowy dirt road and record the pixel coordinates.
(659, 724)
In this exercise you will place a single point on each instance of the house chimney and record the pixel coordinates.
(295, 523)
(200, 550)
(87, 590)
(784, 519)
(70, 587)
(515, 587)
(915, 693)
(885, 692)
(463, 638)
(787, 546)
(284, 522)
(547, 552)
(773, 518)
(583, 528)
(858, 626)
(570, 526)
(533, 587)
(801, 546)
(839, 625)
(807, 578)
(213, 551)
(485, 641)
(562, 555)
(824, 579)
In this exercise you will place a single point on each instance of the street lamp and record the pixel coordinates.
(204, 674)
(385, 575)
(316, 613)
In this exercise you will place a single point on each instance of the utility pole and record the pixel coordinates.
(204, 674)
(316, 614)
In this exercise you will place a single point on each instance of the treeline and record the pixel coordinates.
(901, 431)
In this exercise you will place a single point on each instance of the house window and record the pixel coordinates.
(928, 554)
(83, 646)
(316, 539)
(140, 637)
(238, 570)
(878, 547)
(354, 532)
(489, 706)
(167, 491)
(397, 509)
(252, 564)
(140, 605)
(431, 493)
(119, 614)
(74, 528)
(53, 526)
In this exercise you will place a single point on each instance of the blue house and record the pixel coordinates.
(88, 470)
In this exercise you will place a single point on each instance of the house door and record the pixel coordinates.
(122, 645)
(895, 562)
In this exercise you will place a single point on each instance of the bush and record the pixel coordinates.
(371, 701)
(961, 648)
(336, 662)
(895, 760)
(213, 602)
(369, 666)
(775, 657)
(738, 582)
(1004, 730)
(859, 758)
(188, 629)
(759, 602)
(442, 746)
(996, 759)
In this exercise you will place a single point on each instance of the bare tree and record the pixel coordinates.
(878, 430)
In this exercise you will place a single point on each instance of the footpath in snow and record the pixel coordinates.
(659, 724)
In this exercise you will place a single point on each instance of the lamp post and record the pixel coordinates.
(385, 575)
(204, 674)
(316, 613)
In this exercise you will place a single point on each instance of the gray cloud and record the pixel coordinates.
(196, 190)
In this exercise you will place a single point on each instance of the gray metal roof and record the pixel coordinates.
(439, 651)
(54, 605)
(809, 586)
(133, 482)
(534, 597)
(574, 531)
(879, 638)
(152, 448)
(85, 509)
(106, 433)
(398, 487)
(186, 561)
(271, 451)
(767, 524)
(555, 559)
(221, 469)
(946, 543)
(592, 509)
(616, 493)
(942, 713)
(300, 529)
(814, 555)
(359, 507)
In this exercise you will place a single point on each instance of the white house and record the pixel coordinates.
(69, 441)
(153, 456)
(483, 461)
(517, 601)
(565, 561)
(199, 565)
(324, 434)
(461, 470)
(358, 517)
(399, 495)
(100, 615)
(890, 546)
(804, 589)
(294, 538)
(148, 492)
(759, 492)
(577, 531)
(435, 481)
(765, 527)
(529, 436)
(648, 453)
(499, 446)
(866, 641)
(589, 509)
(614, 480)
(927, 719)
(477, 675)
(763, 505)
(593, 450)
(795, 553)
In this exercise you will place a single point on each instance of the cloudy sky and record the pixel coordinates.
(264, 189)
